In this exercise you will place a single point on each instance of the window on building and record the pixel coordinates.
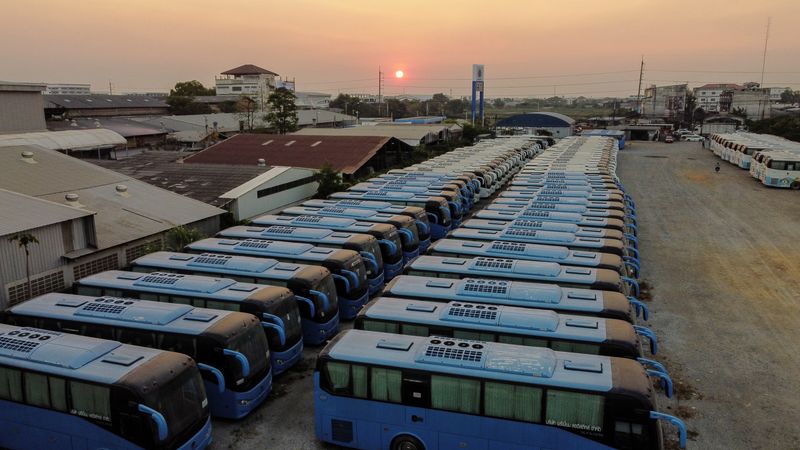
(236, 88)
(285, 187)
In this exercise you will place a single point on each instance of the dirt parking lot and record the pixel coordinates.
(721, 254)
(721, 258)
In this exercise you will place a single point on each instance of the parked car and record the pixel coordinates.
(683, 131)
(691, 138)
(669, 139)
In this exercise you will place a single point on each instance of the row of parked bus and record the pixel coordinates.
(772, 160)
(517, 329)
(144, 357)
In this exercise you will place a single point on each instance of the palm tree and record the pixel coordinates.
(181, 236)
(24, 240)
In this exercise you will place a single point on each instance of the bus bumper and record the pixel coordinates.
(235, 405)
(424, 244)
(349, 308)
(315, 333)
(409, 256)
(287, 358)
(377, 283)
(200, 440)
(391, 271)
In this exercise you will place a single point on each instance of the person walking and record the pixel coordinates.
(716, 168)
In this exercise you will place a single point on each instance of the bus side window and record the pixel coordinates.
(136, 337)
(385, 384)
(338, 375)
(384, 327)
(58, 393)
(90, 401)
(575, 410)
(414, 330)
(89, 290)
(455, 394)
(510, 401)
(148, 296)
(10, 384)
(36, 391)
(181, 300)
(225, 306)
(473, 335)
(113, 293)
(575, 347)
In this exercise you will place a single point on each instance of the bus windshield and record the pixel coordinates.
(182, 402)
(252, 344)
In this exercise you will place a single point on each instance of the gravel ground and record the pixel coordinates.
(719, 252)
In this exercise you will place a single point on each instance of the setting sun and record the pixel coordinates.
(399, 74)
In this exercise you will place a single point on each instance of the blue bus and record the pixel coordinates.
(533, 252)
(593, 195)
(229, 347)
(437, 209)
(450, 191)
(532, 236)
(474, 182)
(515, 205)
(515, 269)
(364, 244)
(403, 241)
(524, 197)
(455, 204)
(547, 225)
(396, 235)
(387, 391)
(346, 266)
(612, 305)
(61, 391)
(275, 307)
(469, 186)
(506, 324)
(567, 185)
(313, 288)
(416, 213)
(555, 216)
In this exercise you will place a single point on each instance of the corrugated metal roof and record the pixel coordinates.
(203, 182)
(141, 210)
(345, 153)
(65, 140)
(31, 212)
(537, 119)
(122, 126)
(103, 101)
(405, 132)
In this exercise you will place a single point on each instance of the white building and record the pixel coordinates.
(249, 80)
(708, 95)
(68, 89)
(775, 93)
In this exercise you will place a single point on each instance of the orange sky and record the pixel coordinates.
(337, 45)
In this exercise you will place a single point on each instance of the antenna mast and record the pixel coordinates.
(639, 92)
(764, 59)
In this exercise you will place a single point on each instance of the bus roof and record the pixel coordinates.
(225, 264)
(174, 284)
(490, 360)
(291, 232)
(86, 358)
(266, 247)
(494, 318)
(114, 311)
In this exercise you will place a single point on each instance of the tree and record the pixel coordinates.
(181, 98)
(791, 97)
(246, 112)
(282, 114)
(455, 107)
(181, 236)
(499, 103)
(329, 180)
(25, 240)
(192, 88)
(739, 112)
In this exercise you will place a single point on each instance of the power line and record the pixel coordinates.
(720, 71)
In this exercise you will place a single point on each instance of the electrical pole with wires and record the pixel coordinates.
(639, 92)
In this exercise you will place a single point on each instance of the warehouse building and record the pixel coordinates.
(411, 134)
(87, 219)
(542, 123)
(244, 191)
(21, 107)
(103, 105)
(352, 156)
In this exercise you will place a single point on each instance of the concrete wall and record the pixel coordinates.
(21, 111)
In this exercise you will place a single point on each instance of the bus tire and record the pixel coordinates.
(407, 442)
(795, 185)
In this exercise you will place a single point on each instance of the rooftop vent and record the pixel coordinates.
(27, 157)
(262, 162)
(73, 200)
(122, 190)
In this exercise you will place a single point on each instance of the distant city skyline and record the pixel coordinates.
(530, 48)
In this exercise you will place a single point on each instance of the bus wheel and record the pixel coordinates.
(407, 443)
(795, 185)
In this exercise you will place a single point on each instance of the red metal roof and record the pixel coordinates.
(248, 69)
(733, 86)
(345, 153)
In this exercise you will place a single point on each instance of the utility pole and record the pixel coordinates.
(639, 92)
(111, 91)
(380, 90)
(763, 66)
